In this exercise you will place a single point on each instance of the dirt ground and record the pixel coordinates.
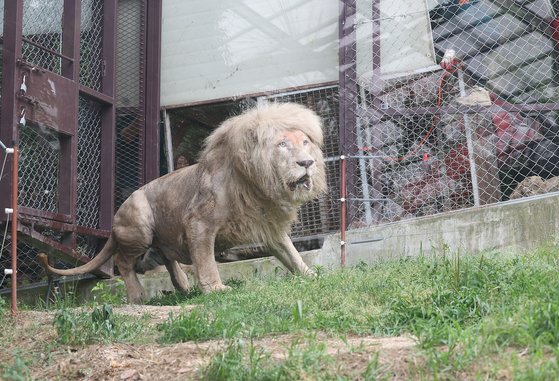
(33, 331)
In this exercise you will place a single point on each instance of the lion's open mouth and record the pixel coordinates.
(303, 181)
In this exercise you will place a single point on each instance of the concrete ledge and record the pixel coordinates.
(522, 224)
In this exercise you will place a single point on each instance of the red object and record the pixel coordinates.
(555, 32)
(457, 162)
(513, 130)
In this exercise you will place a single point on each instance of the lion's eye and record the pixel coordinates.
(305, 142)
(282, 144)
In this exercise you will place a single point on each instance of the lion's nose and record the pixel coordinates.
(305, 163)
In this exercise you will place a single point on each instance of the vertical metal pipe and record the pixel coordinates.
(348, 92)
(168, 141)
(14, 227)
(151, 102)
(469, 141)
(343, 210)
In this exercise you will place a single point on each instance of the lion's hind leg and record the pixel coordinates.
(134, 290)
(133, 230)
(178, 277)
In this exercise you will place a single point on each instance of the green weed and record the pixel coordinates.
(101, 325)
(109, 293)
(18, 371)
(4, 309)
(304, 359)
(464, 310)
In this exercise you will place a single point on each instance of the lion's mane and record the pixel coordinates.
(244, 145)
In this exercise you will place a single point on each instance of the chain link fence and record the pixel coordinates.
(448, 104)
(42, 42)
(44, 151)
(321, 216)
(91, 47)
(89, 163)
(130, 87)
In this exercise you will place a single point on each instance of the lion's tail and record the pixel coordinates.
(103, 256)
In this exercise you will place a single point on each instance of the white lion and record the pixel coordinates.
(254, 173)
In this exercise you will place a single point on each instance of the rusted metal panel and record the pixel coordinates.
(51, 101)
(153, 70)
(11, 51)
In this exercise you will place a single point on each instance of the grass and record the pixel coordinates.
(421, 296)
(305, 358)
(486, 316)
(18, 371)
(465, 311)
(98, 326)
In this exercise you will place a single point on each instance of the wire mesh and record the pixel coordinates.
(91, 43)
(130, 99)
(28, 269)
(320, 216)
(42, 33)
(39, 166)
(455, 105)
(87, 245)
(89, 163)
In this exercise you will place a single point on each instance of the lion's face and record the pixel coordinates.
(273, 151)
(297, 164)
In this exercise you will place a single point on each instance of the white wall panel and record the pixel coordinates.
(225, 48)
(406, 42)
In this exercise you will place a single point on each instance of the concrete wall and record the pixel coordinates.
(522, 224)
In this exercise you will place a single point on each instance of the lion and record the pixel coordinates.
(254, 172)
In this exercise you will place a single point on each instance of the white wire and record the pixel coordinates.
(7, 220)
(3, 166)
(4, 237)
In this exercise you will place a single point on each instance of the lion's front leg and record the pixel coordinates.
(201, 239)
(290, 257)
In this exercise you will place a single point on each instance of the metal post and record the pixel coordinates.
(343, 210)
(469, 141)
(168, 141)
(363, 174)
(14, 227)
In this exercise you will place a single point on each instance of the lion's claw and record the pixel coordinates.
(223, 288)
(216, 288)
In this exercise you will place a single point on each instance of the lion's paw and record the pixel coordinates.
(310, 273)
(222, 288)
(216, 288)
